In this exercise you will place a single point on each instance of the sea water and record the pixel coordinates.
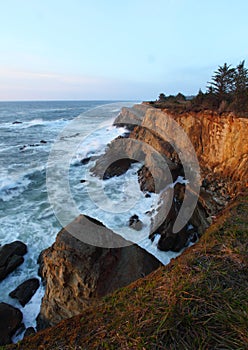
(29, 132)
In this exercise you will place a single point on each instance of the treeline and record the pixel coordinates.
(227, 91)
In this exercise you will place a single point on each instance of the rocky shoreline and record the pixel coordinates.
(77, 275)
(12, 256)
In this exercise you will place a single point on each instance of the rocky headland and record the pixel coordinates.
(79, 276)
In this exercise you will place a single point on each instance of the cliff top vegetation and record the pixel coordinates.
(227, 92)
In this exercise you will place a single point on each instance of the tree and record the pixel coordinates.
(240, 102)
(180, 97)
(222, 83)
(241, 78)
(162, 97)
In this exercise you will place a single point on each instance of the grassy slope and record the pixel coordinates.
(199, 301)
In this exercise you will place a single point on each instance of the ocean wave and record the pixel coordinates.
(13, 186)
(10, 188)
(31, 123)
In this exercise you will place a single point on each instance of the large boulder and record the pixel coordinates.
(10, 322)
(75, 273)
(11, 256)
(24, 292)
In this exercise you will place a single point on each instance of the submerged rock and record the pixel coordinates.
(10, 322)
(11, 256)
(85, 161)
(24, 292)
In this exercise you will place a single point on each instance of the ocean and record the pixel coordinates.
(37, 172)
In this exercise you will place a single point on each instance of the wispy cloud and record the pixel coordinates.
(19, 84)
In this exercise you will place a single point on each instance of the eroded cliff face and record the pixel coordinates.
(212, 149)
(220, 142)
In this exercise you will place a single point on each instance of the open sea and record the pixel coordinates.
(32, 175)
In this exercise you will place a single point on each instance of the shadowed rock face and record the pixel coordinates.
(10, 321)
(75, 273)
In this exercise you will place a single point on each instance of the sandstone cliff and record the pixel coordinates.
(220, 142)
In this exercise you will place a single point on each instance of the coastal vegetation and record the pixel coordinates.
(226, 92)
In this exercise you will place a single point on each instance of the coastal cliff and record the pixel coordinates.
(208, 149)
(79, 276)
(220, 141)
(76, 274)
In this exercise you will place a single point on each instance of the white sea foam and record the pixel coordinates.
(95, 143)
(10, 188)
(33, 123)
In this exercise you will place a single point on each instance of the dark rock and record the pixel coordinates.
(24, 292)
(118, 168)
(10, 321)
(29, 332)
(85, 160)
(135, 222)
(193, 238)
(11, 256)
(174, 241)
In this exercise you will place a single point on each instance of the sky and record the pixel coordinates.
(116, 50)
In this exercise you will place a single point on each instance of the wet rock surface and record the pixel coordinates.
(11, 256)
(24, 292)
(10, 322)
(135, 223)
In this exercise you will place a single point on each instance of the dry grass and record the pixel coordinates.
(199, 301)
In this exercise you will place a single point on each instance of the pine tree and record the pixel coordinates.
(222, 84)
(241, 88)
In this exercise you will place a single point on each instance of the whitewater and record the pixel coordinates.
(29, 131)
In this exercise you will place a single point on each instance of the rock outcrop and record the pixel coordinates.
(24, 292)
(76, 273)
(11, 256)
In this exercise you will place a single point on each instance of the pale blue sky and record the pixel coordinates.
(106, 49)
